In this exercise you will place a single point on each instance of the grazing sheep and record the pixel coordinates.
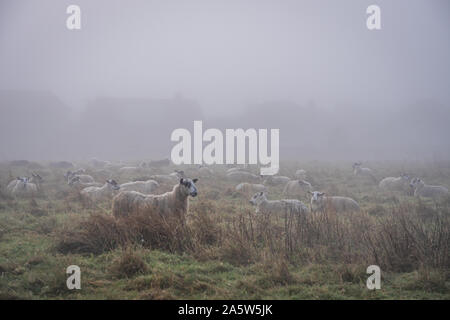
(276, 180)
(130, 170)
(424, 190)
(297, 188)
(300, 174)
(265, 206)
(341, 204)
(250, 188)
(100, 193)
(395, 183)
(76, 182)
(242, 176)
(140, 186)
(84, 178)
(363, 172)
(170, 204)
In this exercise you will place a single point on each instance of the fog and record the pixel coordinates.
(137, 70)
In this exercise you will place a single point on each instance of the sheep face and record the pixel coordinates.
(68, 174)
(113, 184)
(73, 180)
(356, 165)
(257, 198)
(316, 196)
(188, 187)
(416, 182)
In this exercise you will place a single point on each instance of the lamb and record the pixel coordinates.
(364, 172)
(174, 203)
(297, 187)
(250, 188)
(265, 206)
(424, 190)
(242, 176)
(300, 174)
(395, 183)
(145, 187)
(276, 180)
(100, 193)
(341, 204)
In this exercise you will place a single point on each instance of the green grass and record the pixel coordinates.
(32, 268)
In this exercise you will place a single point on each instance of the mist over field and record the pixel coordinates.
(118, 87)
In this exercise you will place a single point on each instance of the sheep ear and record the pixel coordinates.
(181, 181)
(195, 180)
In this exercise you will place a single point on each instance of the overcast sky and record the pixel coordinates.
(227, 54)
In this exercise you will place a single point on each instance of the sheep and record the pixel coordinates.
(242, 176)
(204, 171)
(24, 187)
(395, 183)
(341, 204)
(130, 170)
(300, 174)
(84, 178)
(276, 180)
(168, 178)
(140, 186)
(364, 172)
(250, 188)
(297, 187)
(174, 203)
(265, 206)
(100, 193)
(424, 190)
(35, 179)
(77, 183)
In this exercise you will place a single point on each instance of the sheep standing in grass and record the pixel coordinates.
(319, 202)
(265, 206)
(395, 183)
(103, 193)
(140, 186)
(242, 176)
(24, 187)
(276, 180)
(174, 203)
(363, 172)
(424, 190)
(297, 188)
(250, 188)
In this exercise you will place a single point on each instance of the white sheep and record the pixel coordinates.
(84, 178)
(103, 193)
(170, 204)
(35, 179)
(24, 188)
(424, 190)
(140, 186)
(276, 180)
(130, 170)
(78, 184)
(250, 188)
(265, 206)
(242, 176)
(395, 183)
(297, 188)
(363, 172)
(341, 204)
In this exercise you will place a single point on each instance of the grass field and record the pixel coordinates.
(226, 251)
